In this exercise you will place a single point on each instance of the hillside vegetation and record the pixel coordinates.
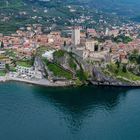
(18, 13)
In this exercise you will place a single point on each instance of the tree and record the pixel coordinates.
(2, 45)
(65, 43)
(124, 69)
(138, 59)
(118, 64)
(102, 48)
(135, 52)
(96, 47)
(7, 66)
(110, 50)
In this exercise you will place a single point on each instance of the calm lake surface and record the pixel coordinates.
(30, 112)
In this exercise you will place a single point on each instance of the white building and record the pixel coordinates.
(49, 54)
(28, 72)
(25, 72)
(2, 65)
(107, 32)
(76, 36)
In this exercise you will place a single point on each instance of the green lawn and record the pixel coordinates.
(57, 71)
(25, 63)
(2, 73)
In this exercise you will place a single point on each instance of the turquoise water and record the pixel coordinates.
(30, 112)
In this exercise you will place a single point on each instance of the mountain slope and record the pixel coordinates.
(128, 8)
(18, 13)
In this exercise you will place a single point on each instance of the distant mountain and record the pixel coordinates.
(129, 8)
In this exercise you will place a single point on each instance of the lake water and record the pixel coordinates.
(30, 112)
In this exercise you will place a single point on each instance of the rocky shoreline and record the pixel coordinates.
(116, 84)
(47, 83)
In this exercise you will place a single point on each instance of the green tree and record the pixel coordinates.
(135, 52)
(96, 47)
(124, 69)
(138, 59)
(2, 45)
(118, 64)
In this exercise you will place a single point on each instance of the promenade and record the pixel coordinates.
(41, 82)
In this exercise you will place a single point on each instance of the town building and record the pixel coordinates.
(76, 36)
(90, 45)
(25, 72)
(2, 65)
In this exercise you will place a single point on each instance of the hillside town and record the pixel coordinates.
(72, 56)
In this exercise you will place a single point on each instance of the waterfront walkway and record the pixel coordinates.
(42, 82)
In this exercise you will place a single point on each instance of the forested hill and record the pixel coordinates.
(121, 7)
(17, 13)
